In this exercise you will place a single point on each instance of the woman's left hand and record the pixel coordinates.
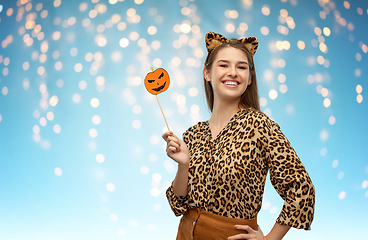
(252, 234)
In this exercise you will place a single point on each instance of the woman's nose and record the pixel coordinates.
(232, 72)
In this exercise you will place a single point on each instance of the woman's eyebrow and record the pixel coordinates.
(226, 61)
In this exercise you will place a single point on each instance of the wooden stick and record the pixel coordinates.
(167, 125)
(163, 113)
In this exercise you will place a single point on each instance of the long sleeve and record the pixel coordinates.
(178, 204)
(290, 179)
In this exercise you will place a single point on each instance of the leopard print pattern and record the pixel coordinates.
(227, 173)
(213, 40)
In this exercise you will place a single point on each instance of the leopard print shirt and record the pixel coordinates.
(227, 174)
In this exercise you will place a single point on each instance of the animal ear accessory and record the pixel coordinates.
(157, 82)
(213, 40)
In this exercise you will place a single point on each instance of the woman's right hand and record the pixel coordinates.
(176, 149)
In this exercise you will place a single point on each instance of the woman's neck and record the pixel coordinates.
(222, 113)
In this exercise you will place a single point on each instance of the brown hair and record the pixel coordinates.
(249, 99)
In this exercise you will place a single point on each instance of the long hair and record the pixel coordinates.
(249, 99)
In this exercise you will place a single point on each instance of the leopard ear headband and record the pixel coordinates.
(213, 40)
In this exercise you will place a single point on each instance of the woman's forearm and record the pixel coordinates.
(180, 183)
(278, 232)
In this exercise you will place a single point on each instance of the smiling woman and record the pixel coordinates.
(223, 162)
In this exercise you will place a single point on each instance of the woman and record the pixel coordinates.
(223, 162)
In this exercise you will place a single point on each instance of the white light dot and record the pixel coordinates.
(60, 83)
(342, 195)
(151, 227)
(110, 187)
(335, 163)
(272, 94)
(326, 102)
(263, 102)
(114, 217)
(193, 91)
(230, 27)
(358, 72)
(58, 171)
(43, 121)
(124, 42)
(95, 102)
(265, 31)
(157, 62)
(4, 91)
(323, 152)
(323, 135)
(96, 119)
(365, 184)
(340, 175)
(26, 84)
(154, 139)
(359, 98)
(78, 67)
(144, 170)
(54, 100)
(136, 124)
(100, 158)
(57, 128)
(155, 192)
(359, 89)
(266, 205)
(82, 85)
(152, 157)
(137, 80)
(133, 223)
(100, 80)
(157, 207)
(36, 129)
(93, 133)
(50, 116)
(283, 88)
(185, 28)
(92, 146)
(156, 177)
(281, 78)
(152, 30)
(121, 232)
(137, 109)
(76, 98)
(273, 210)
(332, 120)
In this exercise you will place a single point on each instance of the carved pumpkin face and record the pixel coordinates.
(157, 82)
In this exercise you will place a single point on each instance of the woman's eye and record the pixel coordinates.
(241, 67)
(223, 65)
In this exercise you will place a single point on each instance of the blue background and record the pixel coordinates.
(53, 187)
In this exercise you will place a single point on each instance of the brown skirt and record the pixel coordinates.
(198, 224)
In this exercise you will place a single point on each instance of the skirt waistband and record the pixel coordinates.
(198, 224)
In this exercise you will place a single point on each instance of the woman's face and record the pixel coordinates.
(229, 75)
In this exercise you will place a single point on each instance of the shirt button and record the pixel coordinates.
(193, 223)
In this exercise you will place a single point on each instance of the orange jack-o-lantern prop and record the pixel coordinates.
(157, 81)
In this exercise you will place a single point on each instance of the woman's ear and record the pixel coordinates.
(206, 74)
(249, 81)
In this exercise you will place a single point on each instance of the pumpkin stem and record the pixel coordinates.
(152, 69)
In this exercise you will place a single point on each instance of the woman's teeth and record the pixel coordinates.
(231, 83)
